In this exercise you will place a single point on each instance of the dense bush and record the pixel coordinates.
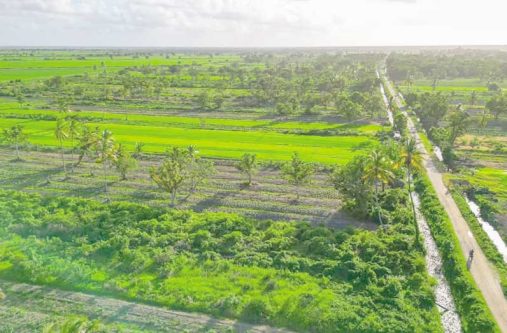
(285, 274)
(474, 313)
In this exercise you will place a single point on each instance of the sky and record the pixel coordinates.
(251, 23)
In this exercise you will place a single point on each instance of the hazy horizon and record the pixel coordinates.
(248, 23)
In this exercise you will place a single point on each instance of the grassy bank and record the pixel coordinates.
(474, 313)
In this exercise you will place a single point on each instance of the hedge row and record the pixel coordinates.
(472, 308)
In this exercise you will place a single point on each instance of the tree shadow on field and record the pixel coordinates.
(35, 179)
(213, 201)
(146, 195)
(341, 219)
(92, 191)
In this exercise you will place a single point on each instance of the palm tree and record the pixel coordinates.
(74, 130)
(378, 170)
(412, 160)
(62, 134)
(87, 142)
(106, 153)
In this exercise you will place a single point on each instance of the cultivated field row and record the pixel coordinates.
(270, 197)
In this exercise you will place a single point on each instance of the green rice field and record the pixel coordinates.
(267, 145)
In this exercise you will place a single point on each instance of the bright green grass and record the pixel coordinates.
(494, 179)
(30, 68)
(456, 85)
(39, 73)
(115, 62)
(216, 143)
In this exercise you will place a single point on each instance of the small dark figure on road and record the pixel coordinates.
(470, 258)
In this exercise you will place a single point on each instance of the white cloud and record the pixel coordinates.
(251, 22)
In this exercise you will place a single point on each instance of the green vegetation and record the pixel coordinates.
(248, 166)
(471, 129)
(474, 313)
(15, 136)
(240, 132)
(285, 274)
(488, 188)
(215, 143)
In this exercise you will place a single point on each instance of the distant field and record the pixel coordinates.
(10, 110)
(30, 68)
(215, 143)
(492, 178)
(459, 90)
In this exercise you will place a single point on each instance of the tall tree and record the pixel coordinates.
(62, 134)
(16, 136)
(378, 171)
(458, 123)
(351, 185)
(412, 160)
(297, 172)
(74, 129)
(106, 154)
(347, 108)
(170, 176)
(432, 109)
(497, 105)
(87, 142)
(248, 166)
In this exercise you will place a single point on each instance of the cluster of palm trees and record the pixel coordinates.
(381, 166)
(94, 143)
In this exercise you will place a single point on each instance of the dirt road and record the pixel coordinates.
(26, 308)
(484, 274)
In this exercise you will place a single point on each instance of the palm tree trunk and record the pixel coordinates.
(409, 181)
(378, 204)
(104, 169)
(63, 159)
